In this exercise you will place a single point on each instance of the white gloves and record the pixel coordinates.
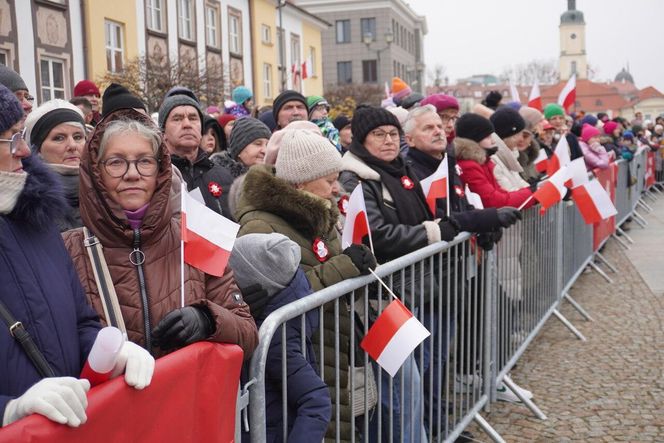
(136, 363)
(61, 399)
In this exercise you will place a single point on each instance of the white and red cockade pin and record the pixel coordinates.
(407, 183)
(215, 189)
(459, 191)
(342, 204)
(320, 249)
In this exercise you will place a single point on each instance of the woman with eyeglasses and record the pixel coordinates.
(56, 133)
(125, 203)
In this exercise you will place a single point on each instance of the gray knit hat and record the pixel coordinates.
(305, 156)
(11, 79)
(244, 132)
(12, 111)
(174, 101)
(270, 260)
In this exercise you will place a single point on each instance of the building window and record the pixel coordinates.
(52, 78)
(295, 51)
(154, 11)
(186, 19)
(344, 73)
(369, 71)
(598, 102)
(573, 68)
(235, 31)
(281, 49)
(114, 45)
(343, 31)
(267, 80)
(368, 26)
(212, 26)
(3, 58)
(266, 34)
(312, 61)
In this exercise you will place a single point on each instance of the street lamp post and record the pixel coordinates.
(367, 38)
(282, 43)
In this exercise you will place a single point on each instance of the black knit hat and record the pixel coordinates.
(173, 102)
(244, 132)
(12, 111)
(10, 79)
(118, 97)
(507, 122)
(474, 127)
(492, 99)
(368, 118)
(411, 100)
(341, 122)
(285, 97)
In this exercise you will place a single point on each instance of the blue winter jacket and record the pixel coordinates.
(309, 404)
(39, 286)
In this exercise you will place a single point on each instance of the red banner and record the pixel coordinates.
(650, 169)
(605, 228)
(191, 399)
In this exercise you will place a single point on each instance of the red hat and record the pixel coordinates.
(441, 102)
(225, 118)
(609, 127)
(86, 87)
(546, 125)
(588, 132)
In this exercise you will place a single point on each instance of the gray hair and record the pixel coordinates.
(414, 114)
(125, 126)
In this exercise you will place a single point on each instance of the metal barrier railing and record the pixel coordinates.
(483, 310)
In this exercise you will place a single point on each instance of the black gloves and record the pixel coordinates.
(568, 195)
(533, 187)
(361, 257)
(448, 229)
(256, 297)
(182, 327)
(508, 215)
(486, 240)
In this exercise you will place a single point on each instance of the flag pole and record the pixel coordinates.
(383, 283)
(182, 228)
(526, 202)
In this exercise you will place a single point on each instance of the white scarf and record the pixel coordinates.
(11, 185)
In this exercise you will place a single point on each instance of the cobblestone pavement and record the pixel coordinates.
(610, 388)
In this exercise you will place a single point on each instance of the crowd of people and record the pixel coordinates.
(100, 170)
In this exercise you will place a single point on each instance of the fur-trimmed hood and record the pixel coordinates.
(305, 212)
(42, 200)
(351, 162)
(222, 159)
(467, 149)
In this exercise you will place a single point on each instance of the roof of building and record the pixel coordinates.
(624, 76)
(572, 17)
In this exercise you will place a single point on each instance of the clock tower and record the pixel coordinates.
(572, 43)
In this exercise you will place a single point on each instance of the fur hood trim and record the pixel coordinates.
(467, 149)
(351, 162)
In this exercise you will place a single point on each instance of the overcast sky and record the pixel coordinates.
(484, 36)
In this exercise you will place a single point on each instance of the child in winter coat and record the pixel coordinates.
(272, 261)
(594, 153)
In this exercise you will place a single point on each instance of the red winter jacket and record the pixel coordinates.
(477, 172)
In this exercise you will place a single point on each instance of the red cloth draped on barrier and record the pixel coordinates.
(650, 169)
(605, 228)
(191, 399)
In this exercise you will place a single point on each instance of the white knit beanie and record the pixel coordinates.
(305, 156)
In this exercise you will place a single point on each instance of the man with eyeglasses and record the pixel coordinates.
(12, 81)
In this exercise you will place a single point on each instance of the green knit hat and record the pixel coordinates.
(315, 100)
(553, 109)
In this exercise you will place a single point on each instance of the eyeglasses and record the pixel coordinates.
(15, 141)
(20, 95)
(382, 135)
(448, 119)
(117, 167)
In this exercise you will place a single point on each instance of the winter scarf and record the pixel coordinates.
(11, 185)
(410, 204)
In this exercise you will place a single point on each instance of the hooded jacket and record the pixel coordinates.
(478, 173)
(39, 286)
(508, 170)
(159, 240)
(527, 159)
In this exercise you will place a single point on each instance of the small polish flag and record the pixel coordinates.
(552, 190)
(559, 158)
(394, 335)
(101, 360)
(388, 94)
(306, 69)
(208, 237)
(577, 172)
(593, 202)
(356, 226)
(474, 199)
(515, 93)
(435, 185)
(535, 99)
(541, 161)
(567, 96)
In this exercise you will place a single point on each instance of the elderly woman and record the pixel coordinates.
(248, 144)
(56, 132)
(40, 289)
(125, 202)
(293, 198)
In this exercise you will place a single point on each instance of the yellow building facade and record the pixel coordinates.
(313, 46)
(264, 49)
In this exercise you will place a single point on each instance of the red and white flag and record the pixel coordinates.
(357, 223)
(535, 99)
(435, 186)
(394, 335)
(515, 93)
(552, 190)
(101, 360)
(577, 172)
(307, 69)
(474, 199)
(567, 96)
(208, 237)
(542, 161)
(559, 158)
(593, 201)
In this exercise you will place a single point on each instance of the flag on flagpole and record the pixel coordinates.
(393, 336)
(567, 96)
(388, 94)
(541, 162)
(435, 186)
(577, 172)
(552, 190)
(559, 158)
(593, 201)
(515, 93)
(356, 226)
(207, 237)
(535, 99)
(307, 69)
(474, 199)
